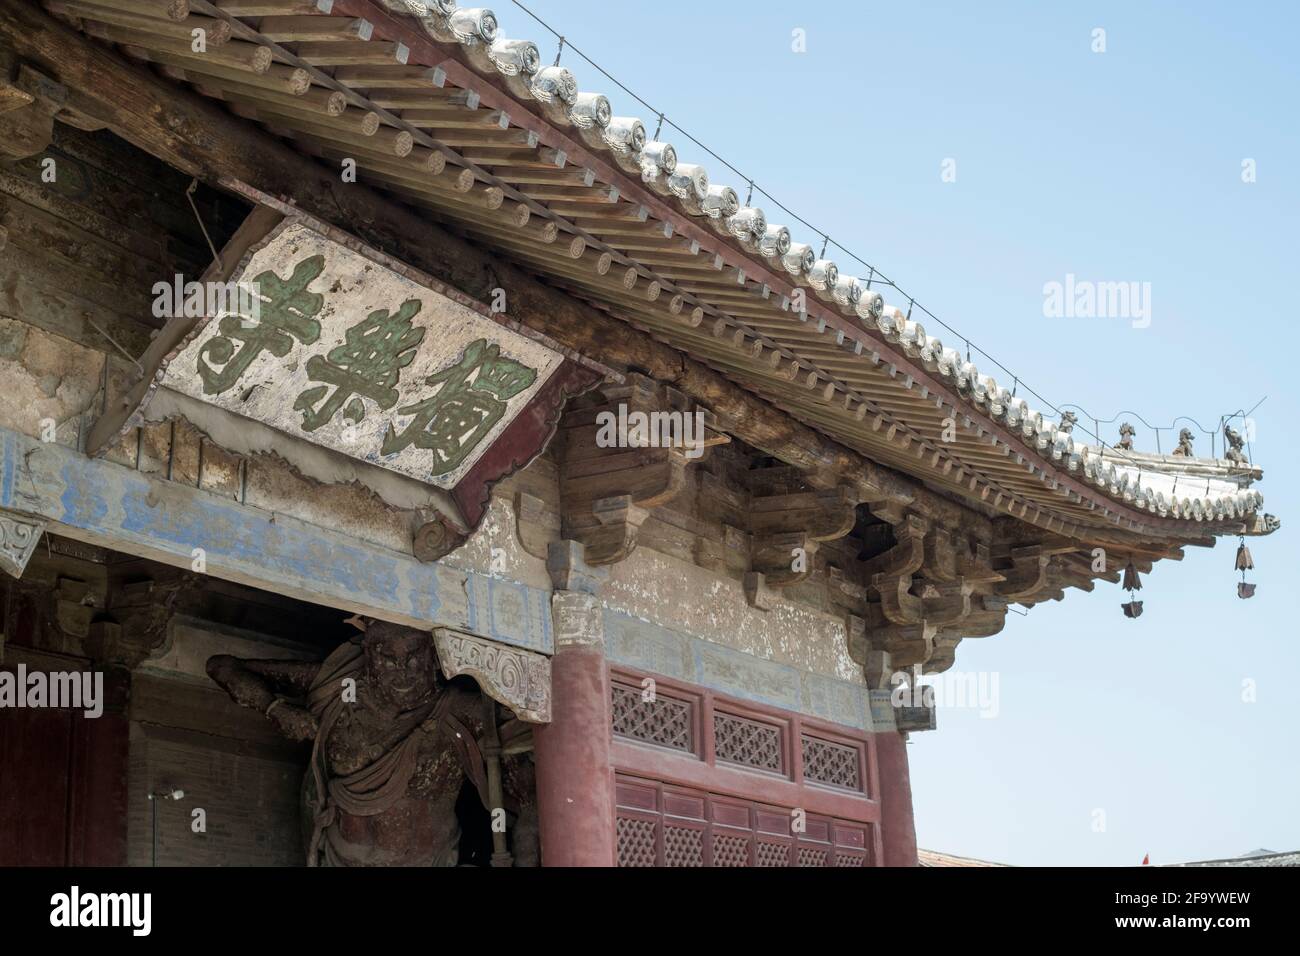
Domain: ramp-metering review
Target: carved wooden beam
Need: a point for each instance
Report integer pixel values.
(975, 564)
(19, 535)
(519, 679)
(1084, 563)
(898, 604)
(623, 455)
(28, 101)
(939, 604)
(1027, 575)
(908, 553)
(906, 644)
(536, 526)
(987, 617)
(788, 528)
(950, 604)
(933, 590)
(940, 555)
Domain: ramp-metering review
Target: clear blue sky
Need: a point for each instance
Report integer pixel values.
(1120, 166)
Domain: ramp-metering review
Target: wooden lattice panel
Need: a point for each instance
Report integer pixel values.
(832, 764)
(636, 842)
(683, 846)
(659, 825)
(747, 742)
(661, 720)
(730, 850)
(812, 856)
(772, 854)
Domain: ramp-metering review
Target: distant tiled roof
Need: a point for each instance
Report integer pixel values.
(932, 858)
(1256, 858)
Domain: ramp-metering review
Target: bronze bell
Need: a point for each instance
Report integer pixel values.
(1244, 561)
(1132, 609)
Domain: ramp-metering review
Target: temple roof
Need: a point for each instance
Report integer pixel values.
(435, 105)
(933, 858)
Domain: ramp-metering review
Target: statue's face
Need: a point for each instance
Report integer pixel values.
(401, 662)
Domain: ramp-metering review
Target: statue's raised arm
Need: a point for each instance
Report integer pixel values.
(270, 686)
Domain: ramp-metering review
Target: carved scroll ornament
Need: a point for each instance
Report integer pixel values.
(519, 679)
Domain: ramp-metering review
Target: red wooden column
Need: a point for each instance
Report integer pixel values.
(575, 782)
(898, 829)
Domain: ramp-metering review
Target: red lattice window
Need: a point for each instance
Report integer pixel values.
(661, 825)
(730, 849)
(637, 841)
(772, 854)
(812, 855)
(748, 743)
(683, 846)
(832, 764)
(661, 720)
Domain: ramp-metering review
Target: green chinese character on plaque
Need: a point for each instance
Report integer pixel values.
(471, 399)
(287, 312)
(367, 365)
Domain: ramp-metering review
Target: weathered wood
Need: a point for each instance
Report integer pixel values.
(158, 9)
(353, 53)
(216, 32)
(232, 54)
(607, 489)
(201, 140)
(296, 29)
(28, 129)
(289, 80)
(271, 8)
(11, 96)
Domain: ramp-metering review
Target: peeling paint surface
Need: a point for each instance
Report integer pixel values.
(494, 549)
(109, 505)
(659, 650)
(663, 590)
(247, 437)
(45, 379)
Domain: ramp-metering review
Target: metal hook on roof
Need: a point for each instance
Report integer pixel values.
(659, 127)
(558, 51)
(870, 275)
(825, 242)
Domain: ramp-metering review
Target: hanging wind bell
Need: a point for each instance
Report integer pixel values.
(1132, 583)
(1244, 563)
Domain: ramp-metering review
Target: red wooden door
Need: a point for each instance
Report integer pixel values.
(62, 788)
